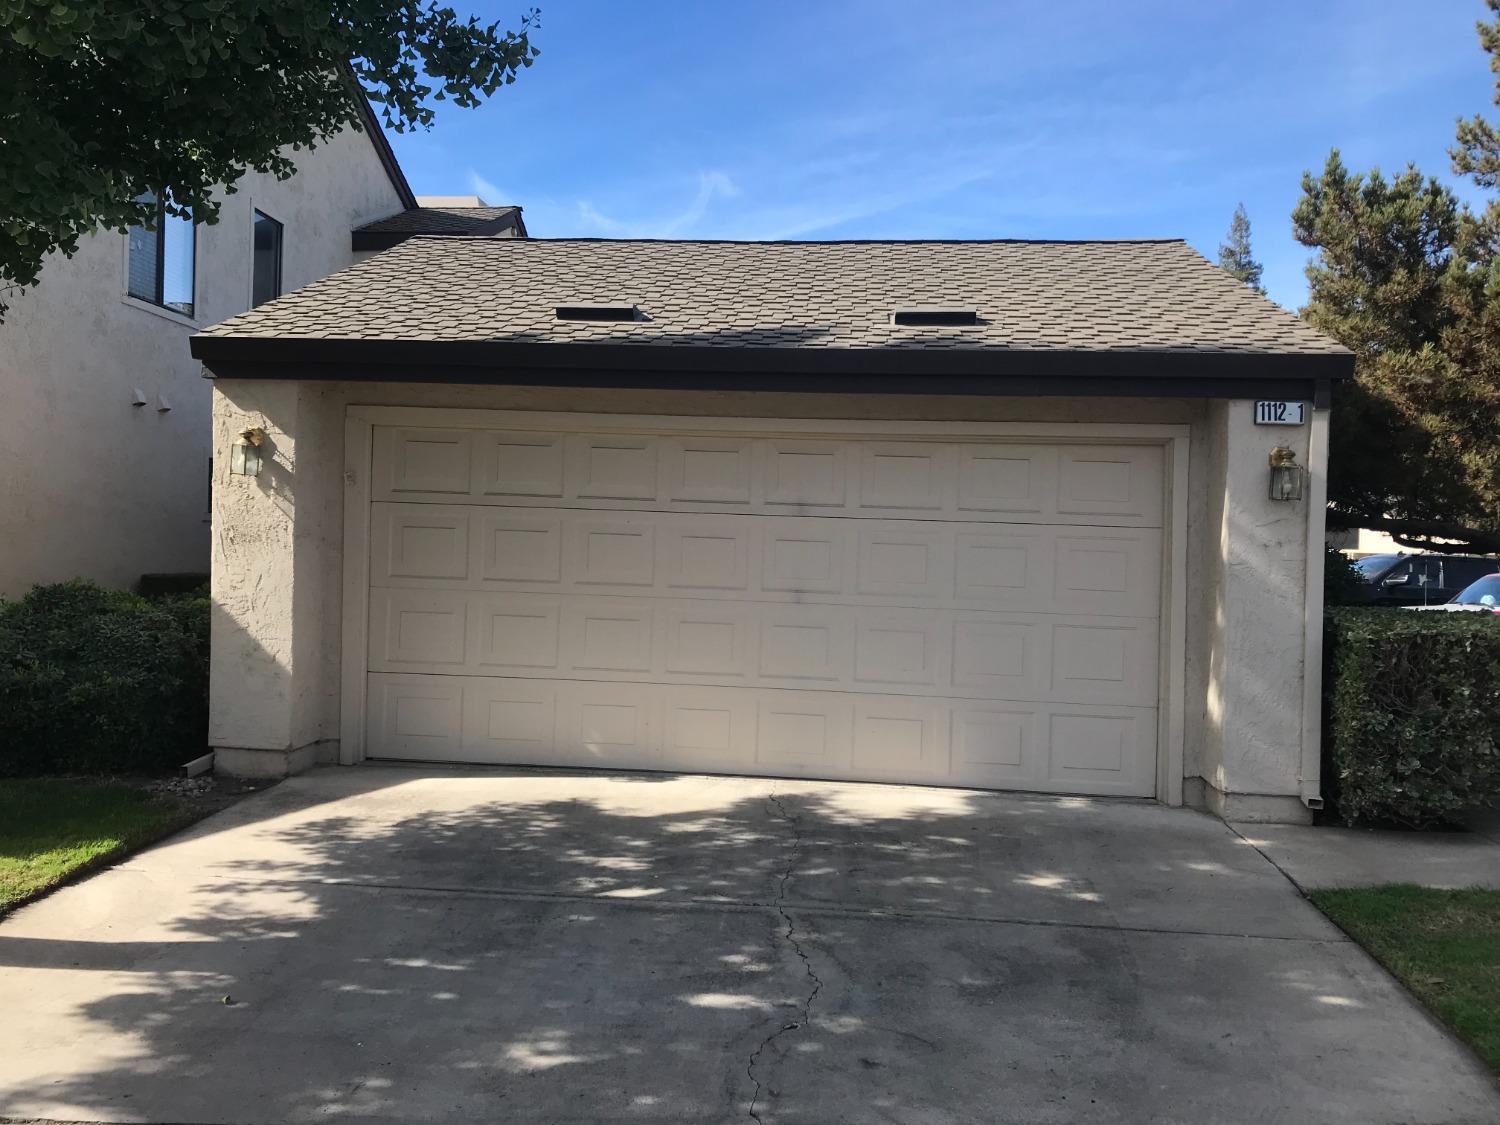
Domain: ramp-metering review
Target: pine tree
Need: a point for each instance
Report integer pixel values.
(1234, 253)
(1408, 279)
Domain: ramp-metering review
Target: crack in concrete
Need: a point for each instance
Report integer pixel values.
(746, 906)
(793, 859)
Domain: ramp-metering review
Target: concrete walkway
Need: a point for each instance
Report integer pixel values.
(384, 945)
(1316, 858)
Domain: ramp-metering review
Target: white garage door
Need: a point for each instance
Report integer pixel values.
(950, 612)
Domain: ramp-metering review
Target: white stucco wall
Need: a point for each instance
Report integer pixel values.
(99, 488)
(278, 558)
(1254, 584)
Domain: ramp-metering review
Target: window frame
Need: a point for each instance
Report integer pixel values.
(159, 293)
(256, 216)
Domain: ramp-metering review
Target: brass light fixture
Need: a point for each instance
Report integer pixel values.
(244, 454)
(1286, 474)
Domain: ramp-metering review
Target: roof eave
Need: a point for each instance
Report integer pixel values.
(363, 239)
(891, 370)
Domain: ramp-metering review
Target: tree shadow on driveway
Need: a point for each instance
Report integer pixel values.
(548, 946)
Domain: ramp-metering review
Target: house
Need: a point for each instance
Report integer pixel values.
(104, 440)
(991, 514)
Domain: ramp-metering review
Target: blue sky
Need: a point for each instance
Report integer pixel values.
(1000, 119)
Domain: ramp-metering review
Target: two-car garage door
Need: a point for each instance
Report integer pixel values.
(883, 607)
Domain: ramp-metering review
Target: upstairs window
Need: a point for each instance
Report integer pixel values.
(161, 261)
(265, 279)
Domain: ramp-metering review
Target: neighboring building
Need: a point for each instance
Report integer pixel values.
(104, 437)
(982, 514)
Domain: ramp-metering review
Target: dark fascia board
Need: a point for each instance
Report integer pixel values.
(361, 240)
(381, 145)
(889, 370)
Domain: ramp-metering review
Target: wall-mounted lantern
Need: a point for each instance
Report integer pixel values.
(244, 454)
(1286, 474)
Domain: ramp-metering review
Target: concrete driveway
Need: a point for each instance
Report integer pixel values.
(555, 947)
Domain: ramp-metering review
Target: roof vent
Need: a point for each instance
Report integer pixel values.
(935, 318)
(597, 312)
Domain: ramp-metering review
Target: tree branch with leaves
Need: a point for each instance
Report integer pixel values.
(104, 101)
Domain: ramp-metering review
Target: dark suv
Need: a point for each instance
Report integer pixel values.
(1420, 579)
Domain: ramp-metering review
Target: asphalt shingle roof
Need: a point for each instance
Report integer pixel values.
(1029, 296)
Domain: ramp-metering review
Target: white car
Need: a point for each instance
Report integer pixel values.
(1482, 596)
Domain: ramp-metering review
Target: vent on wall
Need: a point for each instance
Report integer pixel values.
(935, 318)
(597, 312)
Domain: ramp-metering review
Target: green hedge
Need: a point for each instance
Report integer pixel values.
(100, 681)
(1414, 715)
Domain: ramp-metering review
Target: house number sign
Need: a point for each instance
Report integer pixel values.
(1279, 413)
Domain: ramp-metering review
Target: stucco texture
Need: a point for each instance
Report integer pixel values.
(95, 486)
(278, 557)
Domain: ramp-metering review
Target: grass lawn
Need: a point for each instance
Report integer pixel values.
(1443, 945)
(51, 828)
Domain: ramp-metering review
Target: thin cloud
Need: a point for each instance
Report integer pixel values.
(487, 190)
(711, 186)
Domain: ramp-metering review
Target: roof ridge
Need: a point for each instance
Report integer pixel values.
(828, 241)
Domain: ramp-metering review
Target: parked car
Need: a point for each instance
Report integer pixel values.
(1421, 580)
(1479, 597)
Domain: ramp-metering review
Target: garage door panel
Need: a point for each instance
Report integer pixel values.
(709, 470)
(705, 553)
(1097, 663)
(804, 733)
(996, 745)
(530, 465)
(418, 462)
(519, 549)
(425, 628)
(509, 720)
(898, 647)
(608, 636)
(902, 561)
(1101, 752)
(418, 542)
(1042, 746)
(418, 717)
(807, 644)
(906, 475)
(869, 478)
(616, 467)
(806, 474)
(1123, 482)
(1003, 569)
(517, 632)
(1010, 480)
(709, 639)
(804, 556)
(612, 552)
(708, 729)
(1001, 658)
(947, 653)
(898, 739)
(1108, 574)
(1033, 568)
(967, 612)
(608, 725)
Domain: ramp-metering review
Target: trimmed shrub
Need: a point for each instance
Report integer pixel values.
(1414, 716)
(101, 681)
(1342, 584)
